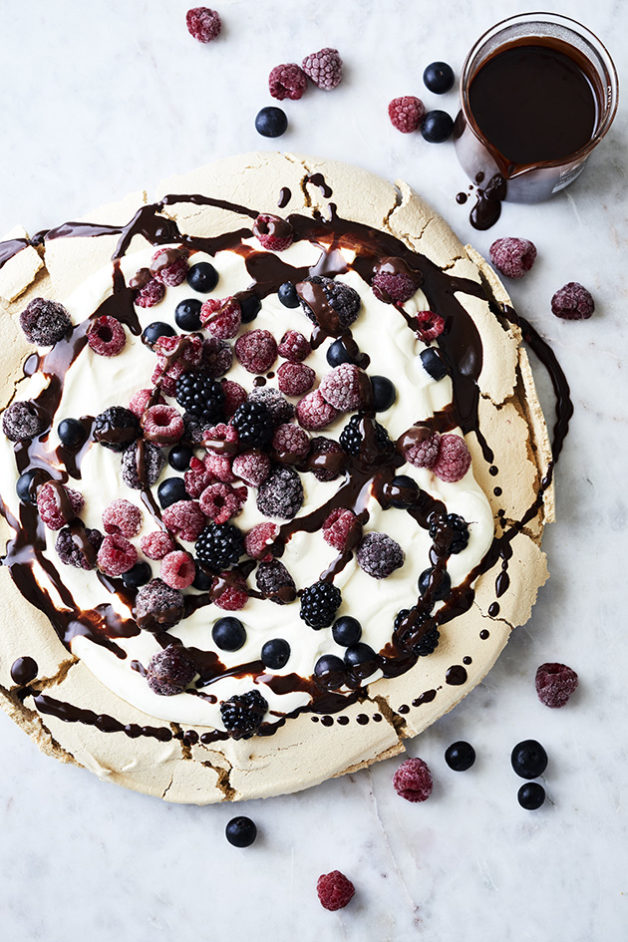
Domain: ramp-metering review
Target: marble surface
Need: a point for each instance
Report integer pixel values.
(99, 99)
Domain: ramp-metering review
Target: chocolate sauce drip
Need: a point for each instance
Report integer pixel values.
(456, 675)
(317, 179)
(11, 247)
(488, 206)
(285, 194)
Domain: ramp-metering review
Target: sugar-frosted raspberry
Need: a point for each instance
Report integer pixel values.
(327, 458)
(259, 538)
(203, 24)
(573, 302)
(252, 466)
(162, 425)
(58, 505)
(217, 357)
(150, 294)
(453, 458)
(178, 570)
(513, 257)
(70, 548)
(106, 336)
(220, 464)
(149, 462)
(256, 350)
(395, 285)
(169, 266)
(341, 528)
(406, 113)
(221, 318)
(294, 379)
(555, 683)
(175, 355)
(184, 519)
(157, 544)
(45, 322)
(197, 478)
(413, 780)
(21, 420)
(281, 494)
(324, 68)
(170, 671)
(220, 502)
(287, 81)
(234, 394)
(158, 606)
(233, 596)
(280, 409)
(290, 442)
(116, 555)
(123, 517)
(273, 233)
(140, 400)
(294, 346)
(314, 413)
(334, 890)
(429, 325)
(379, 555)
(423, 451)
(341, 387)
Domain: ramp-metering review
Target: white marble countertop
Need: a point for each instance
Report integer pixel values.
(102, 98)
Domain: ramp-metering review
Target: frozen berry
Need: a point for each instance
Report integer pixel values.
(273, 232)
(573, 302)
(152, 333)
(327, 458)
(314, 413)
(259, 539)
(217, 357)
(150, 294)
(438, 584)
(169, 266)
(253, 467)
(402, 492)
(438, 77)
(106, 336)
(287, 81)
(170, 671)
(384, 393)
(203, 24)
(453, 459)
(319, 604)
(156, 545)
(379, 555)
(162, 425)
(294, 346)
(138, 575)
(433, 363)
(555, 684)
(78, 548)
(116, 428)
(529, 759)
(57, 504)
(178, 570)
(413, 780)
(45, 322)
(395, 283)
(365, 438)
(170, 491)
(221, 318)
(142, 467)
(295, 379)
(219, 546)
(337, 353)
(513, 257)
(243, 714)
(460, 756)
(280, 409)
(202, 277)
(429, 325)
(157, 606)
(275, 582)
(184, 519)
(187, 314)
(436, 126)
(343, 300)
(448, 532)
(71, 432)
(116, 555)
(229, 633)
(281, 494)
(531, 796)
(422, 450)
(241, 831)
(415, 632)
(275, 654)
(197, 478)
(341, 529)
(220, 502)
(234, 395)
(179, 458)
(324, 68)
(201, 395)
(229, 591)
(218, 462)
(361, 660)
(142, 399)
(123, 517)
(334, 890)
(346, 631)
(256, 350)
(342, 387)
(287, 294)
(271, 122)
(26, 486)
(21, 421)
(253, 423)
(406, 112)
(330, 672)
(290, 443)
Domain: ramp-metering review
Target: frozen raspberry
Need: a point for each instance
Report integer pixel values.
(234, 394)
(140, 400)
(197, 478)
(294, 379)
(290, 443)
(70, 548)
(184, 519)
(220, 464)
(252, 467)
(280, 409)
(116, 555)
(294, 346)
(20, 421)
(423, 451)
(157, 544)
(234, 596)
(397, 285)
(573, 302)
(220, 502)
(150, 294)
(123, 517)
(221, 318)
(314, 413)
(406, 113)
(341, 529)
(203, 24)
(178, 570)
(287, 81)
(453, 458)
(258, 540)
(324, 68)
(217, 357)
(275, 582)
(175, 355)
(413, 780)
(170, 671)
(142, 468)
(169, 266)
(106, 336)
(58, 505)
(429, 325)
(554, 684)
(162, 425)
(327, 458)
(334, 890)
(513, 257)
(45, 322)
(157, 606)
(256, 350)
(273, 232)
(281, 494)
(379, 555)
(342, 299)
(341, 387)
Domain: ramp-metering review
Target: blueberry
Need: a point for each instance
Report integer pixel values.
(432, 363)
(346, 630)
(25, 490)
(71, 432)
(241, 831)
(203, 277)
(403, 491)
(155, 330)
(179, 457)
(187, 314)
(287, 294)
(250, 306)
(460, 756)
(529, 758)
(361, 656)
(436, 126)
(202, 580)
(170, 491)
(384, 393)
(337, 353)
(330, 671)
(139, 575)
(275, 653)
(229, 634)
(531, 796)
(442, 587)
(271, 122)
(438, 77)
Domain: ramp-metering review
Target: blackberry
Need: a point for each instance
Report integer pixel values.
(410, 637)
(449, 532)
(319, 603)
(351, 437)
(379, 555)
(219, 546)
(281, 494)
(242, 714)
(341, 298)
(72, 549)
(170, 671)
(150, 461)
(253, 422)
(327, 458)
(275, 582)
(280, 409)
(201, 395)
(116, 428)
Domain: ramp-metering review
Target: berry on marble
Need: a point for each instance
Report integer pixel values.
(405, 113)
(287, 81)
(413, 780)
